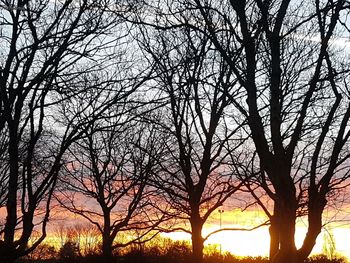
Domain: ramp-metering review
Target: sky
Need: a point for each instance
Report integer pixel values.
(246, 243)
(256, 242)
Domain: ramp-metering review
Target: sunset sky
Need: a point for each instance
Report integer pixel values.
(127, 125)
(241, 243)
(256, 242)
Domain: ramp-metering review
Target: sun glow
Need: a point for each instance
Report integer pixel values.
(240, 243)
(256, 242)
(243, 243)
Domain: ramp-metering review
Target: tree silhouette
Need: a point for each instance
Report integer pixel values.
(296, 102)
(108, 170)
(197, 173)
(45, 46)
(291, 88)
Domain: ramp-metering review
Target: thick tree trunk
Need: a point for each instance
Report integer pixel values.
(287, 251)
(315, 207)
(282, 229)
(107, 248)
(107, 240)
(11, 205)
(274, 237)
(7, 252)
(286, 227)
(197, 240)
(26, 233)
(7, 247)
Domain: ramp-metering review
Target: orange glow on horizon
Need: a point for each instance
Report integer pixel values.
(256, 242)
(240, 243)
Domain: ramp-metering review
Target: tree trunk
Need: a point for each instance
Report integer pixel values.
(197, 240)
(7, 247)
(274, 237)
(11, 205)
(107, 248)
(286, 228)
(7, 252)
(315, 207)
(107, 240)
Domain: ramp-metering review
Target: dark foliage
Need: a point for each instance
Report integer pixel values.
(170, 256)
(69, 252)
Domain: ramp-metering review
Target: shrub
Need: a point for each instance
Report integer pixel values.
(69, 251)
(43, 252)
(324, 259)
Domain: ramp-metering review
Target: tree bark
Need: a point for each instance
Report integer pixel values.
(315, 207)
(27, 230)
(7, 247)
(274, 236)
(197, 240)
(7, 252)
(107, 240)
(107, 248)
(287, 251)
(11, 205)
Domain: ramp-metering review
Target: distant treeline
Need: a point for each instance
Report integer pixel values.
(167, 252)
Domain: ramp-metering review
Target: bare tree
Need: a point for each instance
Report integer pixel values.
(44, 45)
(197, 175)
(85, 237)
(109, 171)
(292, 89)
(295, 99)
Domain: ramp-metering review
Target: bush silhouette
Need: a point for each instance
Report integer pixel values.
(324, 259)
(68, 252)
